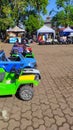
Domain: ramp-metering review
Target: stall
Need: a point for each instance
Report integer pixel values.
(45, 30)
(67, 31)
(46, 33)
(14, 34)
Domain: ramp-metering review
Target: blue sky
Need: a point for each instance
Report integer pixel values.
(50, 6)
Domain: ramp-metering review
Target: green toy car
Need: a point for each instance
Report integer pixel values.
(18, 83)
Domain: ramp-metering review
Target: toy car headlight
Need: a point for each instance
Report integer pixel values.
(32, 64)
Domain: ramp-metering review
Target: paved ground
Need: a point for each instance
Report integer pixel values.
(52, 105)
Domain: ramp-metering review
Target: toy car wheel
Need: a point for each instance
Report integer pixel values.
(26, 92)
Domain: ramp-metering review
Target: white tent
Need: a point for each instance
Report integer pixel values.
(15, 29)
(71, 35)
(68, 29)
(45, 29)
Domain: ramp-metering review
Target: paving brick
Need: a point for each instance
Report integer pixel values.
(42, 127)
(72, 127)
(27, 115)
(53, 127)
(25, 123)
(30, 128)
(58, 112)
(44, 107)
(48, 121)
(17, 128)
(65, 127)
(69, 119)
(37, 122)
(26, 108)
(48, 113)
(52, 105)
(68, 111)
(60, 120)
(35, 107)
(3, 124)
(37, 114)
(13, 124)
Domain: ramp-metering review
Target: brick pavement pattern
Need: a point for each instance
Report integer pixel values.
(52, 105)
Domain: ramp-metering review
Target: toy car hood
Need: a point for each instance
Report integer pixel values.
(9, 65)
(30, 62)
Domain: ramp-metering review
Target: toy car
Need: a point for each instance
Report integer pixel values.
(29, 62)
(7, 63)
(16, 82)
(18, 46)
(20, 49)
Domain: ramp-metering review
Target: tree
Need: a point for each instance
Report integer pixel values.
(12, 12)
(5, 18)
(38, 5)
(65, 15)
(33, 23)
(33, 14)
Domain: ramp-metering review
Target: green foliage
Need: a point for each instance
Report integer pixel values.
(38, 5)
(5, 18)
(65, 15)
(63, 3)
(58, 18)
(33, 23)
(12, 12)
(33, 18)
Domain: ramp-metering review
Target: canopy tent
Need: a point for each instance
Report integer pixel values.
(45, 29)
(68, 29)
(14, 34)
(15, 29)
(71, 35)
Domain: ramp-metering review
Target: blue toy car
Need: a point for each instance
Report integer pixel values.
(15, 60)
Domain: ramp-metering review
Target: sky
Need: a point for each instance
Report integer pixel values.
(50, 6)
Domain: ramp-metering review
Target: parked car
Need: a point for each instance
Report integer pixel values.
(26, 52)
(16, 82)
(28, 60)
(8, 63)
(19, 47)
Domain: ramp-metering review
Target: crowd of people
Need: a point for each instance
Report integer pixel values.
(50, 39)
(45, 38)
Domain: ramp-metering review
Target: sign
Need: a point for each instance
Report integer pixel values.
(14, 39)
